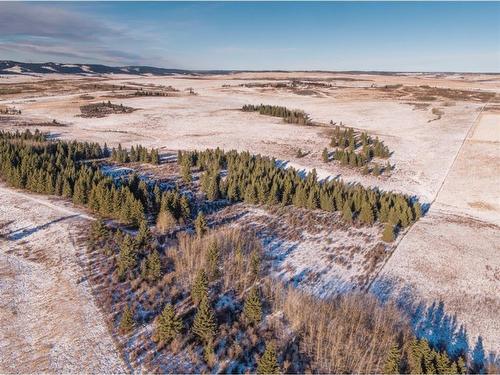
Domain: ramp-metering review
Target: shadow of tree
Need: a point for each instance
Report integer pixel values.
(19, 234)
(432, 322)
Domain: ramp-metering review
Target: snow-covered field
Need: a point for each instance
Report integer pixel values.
(450, 255)
(453, 254)
(49, 320)
(423, 150)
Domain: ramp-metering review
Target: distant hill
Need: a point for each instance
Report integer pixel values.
(14, 67)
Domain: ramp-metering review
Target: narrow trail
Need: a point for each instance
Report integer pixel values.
(467, 136)
(45, 202)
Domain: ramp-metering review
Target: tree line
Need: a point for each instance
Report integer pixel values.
(257, 180)
(288, 115)
(10, 111)
(30, 161)
(138, 153)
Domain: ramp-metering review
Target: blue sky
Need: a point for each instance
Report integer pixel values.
(397, 36)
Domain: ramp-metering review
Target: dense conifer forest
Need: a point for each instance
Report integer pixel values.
(30, 161)
(257, 180)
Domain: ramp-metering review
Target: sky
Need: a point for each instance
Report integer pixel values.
(384, 36)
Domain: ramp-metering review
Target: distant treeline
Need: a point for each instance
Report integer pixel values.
(257, 180)
(103, 109)
(155, 93)
(10, 111)
(136, 154)
(288, 115)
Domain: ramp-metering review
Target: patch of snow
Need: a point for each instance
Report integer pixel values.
(14, 69)
(112, 171)
(49, 68)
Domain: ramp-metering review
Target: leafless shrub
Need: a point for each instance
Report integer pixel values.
(347, 334)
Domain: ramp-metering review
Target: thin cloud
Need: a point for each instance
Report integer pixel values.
(58, 34)
(18, 19)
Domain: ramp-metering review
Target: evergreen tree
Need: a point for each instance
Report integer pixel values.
(200, 287)
(152, 269)
(127, 320)
(144, 236)
(98, 230)
(418, 210)
(462, 366)
(255, 264)
(347, 213)
(186, 172)
(325, 156)
(388, 233)
(366, 214)
(253, 307)
(168, 325)
(213, 260)
(478, 358)
(205, 325)
(200, 224)
(268, 363)
(392, 362)
(127, 257)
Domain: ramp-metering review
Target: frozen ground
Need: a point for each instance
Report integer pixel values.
(423, 146)
(49, 321)
(453, 254)
(450, 255)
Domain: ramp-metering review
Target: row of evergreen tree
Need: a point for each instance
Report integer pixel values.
(354, 159)
(10, 111)
(288, 115)
(417, 357)
(153, 93)
(30, 161)
(257, 180)
(138, 153)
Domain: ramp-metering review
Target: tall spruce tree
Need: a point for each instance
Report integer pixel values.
(388, 233)
(127, 320)
(325, 156)
(212, 260)
(127, 257)
(205, 325)
(268, 363)
(253, 307)
(168, 325)
(393, 361)
(199, 289)
(200, 224)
